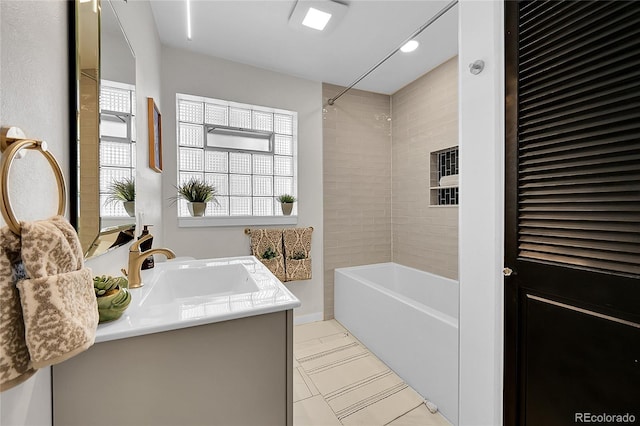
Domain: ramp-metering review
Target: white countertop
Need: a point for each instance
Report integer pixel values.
(147, 315)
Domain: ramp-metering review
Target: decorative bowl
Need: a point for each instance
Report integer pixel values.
(111, 307)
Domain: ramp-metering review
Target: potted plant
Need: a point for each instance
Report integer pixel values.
(299, 255)
(197, 193)
(269, 254)
(286, 202)
(124, 190)
(298, 266)
(112, 296)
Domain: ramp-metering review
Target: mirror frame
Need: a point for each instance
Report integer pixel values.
(74, 125)
(73, 88)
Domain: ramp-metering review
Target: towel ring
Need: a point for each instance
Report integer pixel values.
(7, 159)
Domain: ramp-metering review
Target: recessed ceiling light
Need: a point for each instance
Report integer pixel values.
(410, 46)
(316, 19)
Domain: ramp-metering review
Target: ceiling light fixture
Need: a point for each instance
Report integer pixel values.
(316, 19)
(410, 46)
(188, 19)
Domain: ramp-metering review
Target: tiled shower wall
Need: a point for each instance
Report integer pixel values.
(425, 119)
(357, 182)
(377, 177)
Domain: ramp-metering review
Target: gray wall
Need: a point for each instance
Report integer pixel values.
(33, 85)
(194, 74)
(33, 96)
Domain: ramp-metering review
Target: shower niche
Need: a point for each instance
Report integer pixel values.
(444, 183)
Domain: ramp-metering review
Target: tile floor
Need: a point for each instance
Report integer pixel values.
(337, 381)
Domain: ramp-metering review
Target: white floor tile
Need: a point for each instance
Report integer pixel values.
(420, 416)
(314, 411)
(313, 356)
(343, 375)
(300, 388)
(307, 380)
(316, 330)
(337, 381)
(384, 410)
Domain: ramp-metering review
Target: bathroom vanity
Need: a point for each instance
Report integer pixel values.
(203, 342)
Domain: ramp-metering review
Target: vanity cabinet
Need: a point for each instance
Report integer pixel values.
(235, 372)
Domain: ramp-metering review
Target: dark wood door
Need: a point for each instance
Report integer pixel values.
(572, 213)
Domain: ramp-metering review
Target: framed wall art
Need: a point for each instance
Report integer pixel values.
(155, 136)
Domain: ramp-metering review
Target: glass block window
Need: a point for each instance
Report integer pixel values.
(444, 177)
(117, 141)
(248, 175)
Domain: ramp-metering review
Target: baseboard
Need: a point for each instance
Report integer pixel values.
(304, 319)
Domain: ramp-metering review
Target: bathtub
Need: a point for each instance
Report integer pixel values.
(409, 319)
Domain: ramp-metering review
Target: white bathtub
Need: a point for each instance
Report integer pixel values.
(409, 319)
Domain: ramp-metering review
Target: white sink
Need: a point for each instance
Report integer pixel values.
(195, 279)
(188, 292)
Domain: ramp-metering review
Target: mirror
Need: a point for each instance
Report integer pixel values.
(103, 160)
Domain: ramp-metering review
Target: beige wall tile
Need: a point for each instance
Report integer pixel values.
(425, 119)
(357, 182)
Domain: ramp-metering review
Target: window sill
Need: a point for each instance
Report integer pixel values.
(208, 221)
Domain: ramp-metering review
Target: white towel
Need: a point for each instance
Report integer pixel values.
(451, 180)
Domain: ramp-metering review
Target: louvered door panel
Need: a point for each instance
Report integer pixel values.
(572, 210)
(579, 135)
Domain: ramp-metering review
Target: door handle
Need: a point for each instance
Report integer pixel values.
(507, 272)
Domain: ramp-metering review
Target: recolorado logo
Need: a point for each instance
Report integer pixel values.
(604, 418)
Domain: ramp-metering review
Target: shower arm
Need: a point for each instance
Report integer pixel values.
(417, 32)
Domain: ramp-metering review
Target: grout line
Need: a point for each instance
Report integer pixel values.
(317, 337)
(305, 382)
(304, 399)
(326, 352)
(326, 367)
(306, 377)
(371, 400)
(355, 385)
(404, 414)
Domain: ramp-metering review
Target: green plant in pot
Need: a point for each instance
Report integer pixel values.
(269, 254)
(197, 193)
(299, 255)
(124, 190)
(112, 296)
(286, 202)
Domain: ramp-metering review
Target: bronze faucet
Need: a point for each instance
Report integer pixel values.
(136, 257)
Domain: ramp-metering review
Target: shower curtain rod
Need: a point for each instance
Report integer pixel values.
(417, 32)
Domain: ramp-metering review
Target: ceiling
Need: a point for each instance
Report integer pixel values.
(256, 32)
